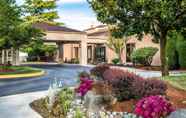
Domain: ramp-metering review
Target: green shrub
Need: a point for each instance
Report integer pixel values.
(66, 97)
(181, 47)
(171, 54)
(176, 48)
(115, 61)
(144, 56)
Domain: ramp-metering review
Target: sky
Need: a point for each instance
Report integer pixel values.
(75, 14)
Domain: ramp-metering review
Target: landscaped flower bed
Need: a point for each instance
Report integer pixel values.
(12, 70)
(113, 94)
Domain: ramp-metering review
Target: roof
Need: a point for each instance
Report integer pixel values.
(99, 26)
(51, 27)
(98, 33)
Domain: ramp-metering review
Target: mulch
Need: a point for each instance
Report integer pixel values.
(176, 96)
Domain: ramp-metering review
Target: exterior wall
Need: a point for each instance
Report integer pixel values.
(110, 54)
(147, 42)
(95, 36)
(69, 52)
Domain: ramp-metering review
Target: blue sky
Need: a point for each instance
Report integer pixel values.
(75, 13)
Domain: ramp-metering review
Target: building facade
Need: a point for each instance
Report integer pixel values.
(88, 46)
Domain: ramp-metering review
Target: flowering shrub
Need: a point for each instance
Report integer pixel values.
(153, 107)
(99, 70)
(122, 83)
(85, 85)
(149, 87)
(126, 85)
(113, 74)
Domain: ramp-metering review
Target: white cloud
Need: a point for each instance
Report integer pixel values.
(77, 20)
(70, 1)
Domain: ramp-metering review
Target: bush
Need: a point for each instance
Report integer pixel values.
(148, 87)
(181, 48)
(126, 85)
(176, 48)
(115, 61)
(144, 56)
(66, 97)
(153, 107)
(114, 73)
(171, 49)
(99, 70)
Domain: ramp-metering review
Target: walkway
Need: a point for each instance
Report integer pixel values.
(17, 106)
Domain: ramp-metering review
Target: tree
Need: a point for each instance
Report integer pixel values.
(9, 19)
(40, 11)
(139, 17)
(15, 32)
(37, 49)
(117, 45)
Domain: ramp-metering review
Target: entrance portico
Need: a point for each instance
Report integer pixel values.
(73, 44)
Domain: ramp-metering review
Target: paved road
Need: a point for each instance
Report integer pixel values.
(67, 74)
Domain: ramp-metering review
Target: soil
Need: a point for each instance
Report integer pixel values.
(176, 96)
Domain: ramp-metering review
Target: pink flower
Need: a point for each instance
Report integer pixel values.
(153, 107)
(85, 86)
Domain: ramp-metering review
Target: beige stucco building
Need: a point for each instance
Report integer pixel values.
(88, 46)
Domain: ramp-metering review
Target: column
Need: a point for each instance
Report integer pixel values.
(60, 52)
(3, 55)
(7, 58)
(93, 53)
(17, 57)
(13, 57)
(83, 52)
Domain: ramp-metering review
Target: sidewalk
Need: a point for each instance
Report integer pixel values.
(17, 106)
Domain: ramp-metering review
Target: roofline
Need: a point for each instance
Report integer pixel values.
(95, 27)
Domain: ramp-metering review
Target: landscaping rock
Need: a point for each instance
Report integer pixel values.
(178, 114)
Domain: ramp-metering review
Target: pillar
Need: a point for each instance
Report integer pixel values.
(83, 52)
(3, 56)
(60, 52)
(13, 57)
(17, 57)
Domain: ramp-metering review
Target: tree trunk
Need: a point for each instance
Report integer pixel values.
(119, 57)
(164, 65)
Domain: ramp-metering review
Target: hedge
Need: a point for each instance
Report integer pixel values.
(176, 51)
(181, 47)
(144, 55)
(173, 61)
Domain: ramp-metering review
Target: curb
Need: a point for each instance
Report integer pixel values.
(36, 74)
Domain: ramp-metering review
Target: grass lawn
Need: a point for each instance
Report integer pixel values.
(177, 81)
(18, 70)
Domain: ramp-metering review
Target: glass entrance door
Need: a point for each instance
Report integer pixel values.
(100, 54)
